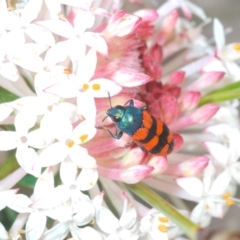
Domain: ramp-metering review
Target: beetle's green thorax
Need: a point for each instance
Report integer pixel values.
(128, 119)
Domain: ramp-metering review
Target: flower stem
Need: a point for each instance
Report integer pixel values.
(229, 92)
(193, 231)
(9, 166)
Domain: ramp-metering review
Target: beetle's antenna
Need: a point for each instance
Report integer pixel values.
(109, 99)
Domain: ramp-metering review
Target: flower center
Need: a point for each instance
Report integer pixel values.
(96, 86)
(236, 47)
(85, 86)
(83, 138)
(23, 139)
(67, 71)
(70, 143)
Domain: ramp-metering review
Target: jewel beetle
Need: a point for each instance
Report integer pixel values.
(150, 134)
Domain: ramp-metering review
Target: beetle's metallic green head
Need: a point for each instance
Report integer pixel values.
(116, 113)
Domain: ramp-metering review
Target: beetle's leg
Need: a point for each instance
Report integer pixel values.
(117, 135)
(142, 148)
(130, 102)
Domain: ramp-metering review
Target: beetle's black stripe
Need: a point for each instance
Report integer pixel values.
(171, 146)
(162, 141)
(151, 133)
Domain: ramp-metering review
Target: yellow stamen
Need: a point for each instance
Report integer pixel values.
(61, 16)
(163, 219)
(96, 86)
(226, 195)
(70, 143)
(236, 47)
(21, 231)
(162, 228)
(230, 202)
(207, 206)
(67, 71)
(83, 137)
(85, 86)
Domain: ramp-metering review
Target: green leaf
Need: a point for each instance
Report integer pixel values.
(230, 92)
(6, 96)
(193, 231)
(28, 181)
(9, 166)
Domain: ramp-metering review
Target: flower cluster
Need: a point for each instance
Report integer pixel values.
(66, 62)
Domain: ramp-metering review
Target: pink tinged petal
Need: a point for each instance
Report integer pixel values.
(167, 27)
(87, 179)
(191, 185)
(189, 101)
(130, 175)
(187, 168)
(9, 71)
(221, 183)
(68, 171)
(200, 116)
(218, 32)
(59, 27)
(96, 42)
(106, 221)
(19, 203)
(44, 184)
(87, 233)
(177, 78)
(206, 80)
(23, 122)
(3, 233)
(8, 140)
(128, 78)
(147, 15)
(131, 157)
(101, 87)
(33, 230)
(30, 11)
(52, 155)
(169, 108)
(178, 142)
(121, 24)
(88, 110)
(59, 231)
(218, 151)
(159, 165)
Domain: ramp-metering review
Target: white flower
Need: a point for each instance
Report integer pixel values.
(127, 227)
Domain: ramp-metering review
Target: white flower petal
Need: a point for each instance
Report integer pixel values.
(44, 184)
(235, 170)
(36, 139)
(3, 233)
(101, 87)
(59, 231)
(33, 230)
(5, 111)
(9, 71)
(218, 32)
(106, 220)
(191, 185)
(81, 158)
(52, 155)
(87, 179)
(83, 20)
(23, 122)
(68, 171)
(20, 203)
(8, 140)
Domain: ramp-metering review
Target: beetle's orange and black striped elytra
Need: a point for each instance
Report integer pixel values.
(150, 134)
